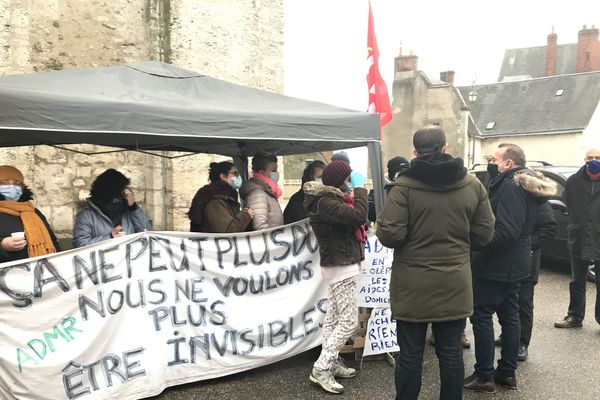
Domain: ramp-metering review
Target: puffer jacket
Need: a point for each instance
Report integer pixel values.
(434, 213)
(582, 196)
(516, 196)
(334, 223)
(258, 196)
(93, 226)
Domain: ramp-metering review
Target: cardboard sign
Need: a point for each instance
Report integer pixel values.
(381, 333)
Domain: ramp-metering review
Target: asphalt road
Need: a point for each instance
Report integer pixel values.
(562, 364)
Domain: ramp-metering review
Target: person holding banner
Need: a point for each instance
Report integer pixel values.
(111, 211)
(434, 213)
(337, 219)
(24, 231)
(215, 208)
(261, 192)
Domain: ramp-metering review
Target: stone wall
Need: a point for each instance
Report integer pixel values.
(239, 41)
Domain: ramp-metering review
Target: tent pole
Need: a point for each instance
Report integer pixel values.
(376, 174)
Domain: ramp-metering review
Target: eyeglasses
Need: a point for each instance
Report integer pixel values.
(11, 182)
(590, 158)
(234, 173)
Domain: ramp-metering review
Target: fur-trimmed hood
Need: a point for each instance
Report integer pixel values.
(314, 191)
(313, 188)
(535, 183)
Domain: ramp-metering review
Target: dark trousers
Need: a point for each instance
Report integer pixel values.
(502, 298)
(448, 349)
(577, 289)
(526, 311)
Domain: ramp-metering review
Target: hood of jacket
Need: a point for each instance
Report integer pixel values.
(535, 183)
(436, 169)
(435, 172)
(313, 191)
(254, 184)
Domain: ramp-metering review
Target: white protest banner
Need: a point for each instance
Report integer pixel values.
(381, 333)
(373, 284)
(128, 317)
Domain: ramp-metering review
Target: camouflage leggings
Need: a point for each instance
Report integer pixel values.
(340, 321)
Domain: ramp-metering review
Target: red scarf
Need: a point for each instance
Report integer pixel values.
(593, 177)
(360, 233)
(272, 184)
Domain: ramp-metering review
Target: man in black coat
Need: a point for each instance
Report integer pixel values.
(582, 195)
(516, 195)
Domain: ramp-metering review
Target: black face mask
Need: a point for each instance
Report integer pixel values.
(492, 170)
(114, 209)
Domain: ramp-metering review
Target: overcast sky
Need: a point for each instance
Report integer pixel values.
(325, 40)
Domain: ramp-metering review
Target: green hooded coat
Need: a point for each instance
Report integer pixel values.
(434, 213)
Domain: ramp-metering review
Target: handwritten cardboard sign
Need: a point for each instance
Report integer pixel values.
(381, 333)
(373, 284)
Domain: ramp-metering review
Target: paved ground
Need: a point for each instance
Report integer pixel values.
(563, 364)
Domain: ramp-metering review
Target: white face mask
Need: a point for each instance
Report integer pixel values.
(236, 183)
(319, 181)
(275, 176)
(11, 192)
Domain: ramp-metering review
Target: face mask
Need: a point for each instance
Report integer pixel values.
(492, 170)
(319, 181)
(275, 176)
(593, 166)
(11, 192)
(236, 183)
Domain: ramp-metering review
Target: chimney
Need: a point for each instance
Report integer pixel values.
(551, 54)
(405, 63)
(447, 76)
(588, 50)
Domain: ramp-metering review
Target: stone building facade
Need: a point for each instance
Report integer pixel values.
(418, 101)
(236, 40)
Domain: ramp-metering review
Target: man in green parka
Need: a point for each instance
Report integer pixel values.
(435, 212)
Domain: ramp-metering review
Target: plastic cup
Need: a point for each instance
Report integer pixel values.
(18, 234)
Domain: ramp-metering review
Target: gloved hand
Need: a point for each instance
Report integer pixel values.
(357, 180)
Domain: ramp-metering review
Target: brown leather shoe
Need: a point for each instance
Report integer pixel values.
(568, 322)
(464, 340)
(509, 382)
(476, 384)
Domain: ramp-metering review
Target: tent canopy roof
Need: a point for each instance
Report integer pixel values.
(157, 106)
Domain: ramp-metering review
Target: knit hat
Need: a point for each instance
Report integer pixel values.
(8, 172)
(395, 165)
(335, 173)
(341, 156)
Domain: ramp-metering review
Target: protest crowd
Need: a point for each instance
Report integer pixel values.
(462, 250)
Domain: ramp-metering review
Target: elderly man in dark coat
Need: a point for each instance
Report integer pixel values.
(582, 196)
(434, 213)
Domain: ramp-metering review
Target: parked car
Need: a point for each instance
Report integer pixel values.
(556, 249)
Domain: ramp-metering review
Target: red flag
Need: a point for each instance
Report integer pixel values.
(379, 101)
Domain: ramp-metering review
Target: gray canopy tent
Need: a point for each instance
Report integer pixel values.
(156, 106)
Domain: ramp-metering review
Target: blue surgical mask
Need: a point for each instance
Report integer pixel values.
(593, 166)
(236, 183)
(275, 176)
(11, 192)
